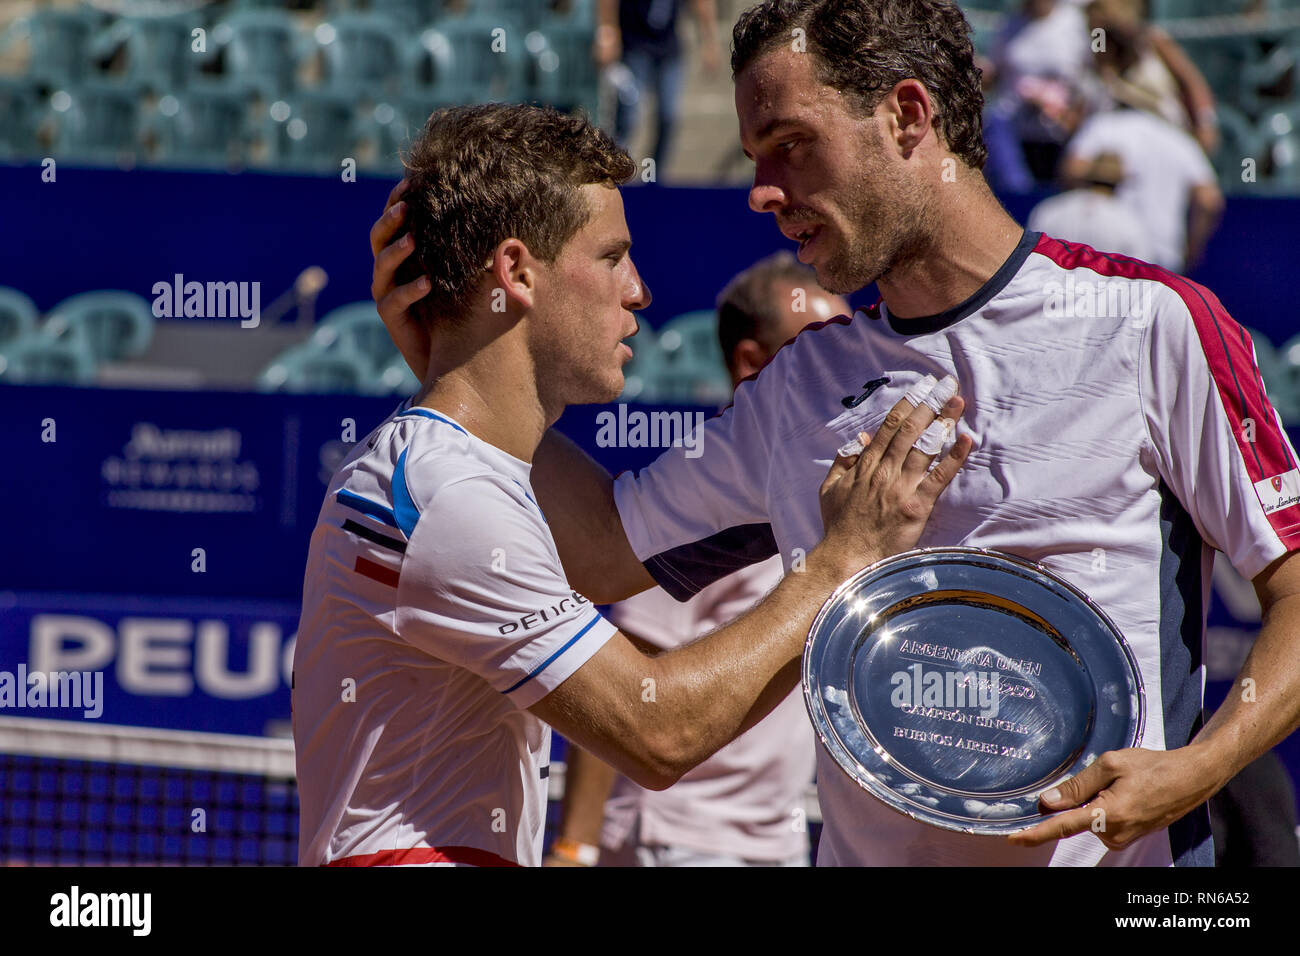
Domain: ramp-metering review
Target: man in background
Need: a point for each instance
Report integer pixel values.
(1090, 213)
(744, 805)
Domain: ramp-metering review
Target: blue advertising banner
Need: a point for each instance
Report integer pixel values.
(175, 663)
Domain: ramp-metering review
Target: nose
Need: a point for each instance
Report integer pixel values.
(765, 195)
(637, 294)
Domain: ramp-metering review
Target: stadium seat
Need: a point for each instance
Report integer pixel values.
(456, 61)
(35, 359)
(159, 52)
(18, 315)
(396, 378)
(97, 120)
(412, 14)
(262, 48)
(356, 330)
(1281, 128)
(59, 40)
(311, 129)
(204, 125)
(1286, 390)
(1238, 139)
(22, 105)
(562, 72)
(306, 368)
(691, 367)
(640, 374)
(363, 53)
(110, 325)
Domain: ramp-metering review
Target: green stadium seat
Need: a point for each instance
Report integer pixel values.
(456, 61)
(306, 368)
(396, 378)
(262, 48)
(35, 359)
(97, 121)
(356, 330)
(159, 51)
(311, 129)
(205, 125)
(691, 367)
(110, 325)
(640, 374)
(562, 72)
(18, 315)
(59, 40)
(363, 53)
(22, 105)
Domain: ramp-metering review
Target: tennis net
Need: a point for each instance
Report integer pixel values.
(81, 794)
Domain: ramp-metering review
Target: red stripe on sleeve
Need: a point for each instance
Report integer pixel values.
(1228, 352)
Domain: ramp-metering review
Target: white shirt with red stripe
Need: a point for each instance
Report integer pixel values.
(435, 611)
(1121, 433)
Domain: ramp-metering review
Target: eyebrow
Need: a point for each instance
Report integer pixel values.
(621, 246)
(770, 127)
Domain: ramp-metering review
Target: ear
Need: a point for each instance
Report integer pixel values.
(514, 270)
(749, 356)
(911, 115)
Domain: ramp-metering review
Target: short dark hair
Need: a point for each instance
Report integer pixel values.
(865, 47)
(747, 308)
(479, 175)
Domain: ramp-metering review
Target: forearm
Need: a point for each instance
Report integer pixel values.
(587, 783)
(709, 692)
(706, 15)
(577, 496)
(1263, 706)
(1202, 219)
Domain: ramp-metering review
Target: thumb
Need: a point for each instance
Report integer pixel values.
(1079, 789)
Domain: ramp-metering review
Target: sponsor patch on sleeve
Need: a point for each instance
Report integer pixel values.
(1279, 492)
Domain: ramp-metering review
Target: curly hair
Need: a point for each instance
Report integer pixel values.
(865, 47)
(479, 175)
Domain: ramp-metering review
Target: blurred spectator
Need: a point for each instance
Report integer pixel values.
(1167, 181)
(641, 36)
(1038, 76)
(1147, 62)
(1091, 213)
(744, 805)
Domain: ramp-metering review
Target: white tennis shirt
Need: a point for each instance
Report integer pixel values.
(1119, 436)
(434, 612)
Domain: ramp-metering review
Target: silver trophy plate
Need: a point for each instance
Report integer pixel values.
(958, 684)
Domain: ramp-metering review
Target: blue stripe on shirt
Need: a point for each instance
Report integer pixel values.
(366, 507)
(546, 663)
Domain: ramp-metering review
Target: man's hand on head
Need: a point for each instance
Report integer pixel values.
(394, 301)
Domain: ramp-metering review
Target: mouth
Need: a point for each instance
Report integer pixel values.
(806, 239)
(803, 233)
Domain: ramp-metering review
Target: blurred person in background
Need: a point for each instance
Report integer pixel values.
(744, 805)
(1037, 82)
(1090, 213)
(1147, 62)
(641, 36)
(1167, 180)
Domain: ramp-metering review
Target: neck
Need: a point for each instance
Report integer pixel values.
(489, 385)
(973, 237)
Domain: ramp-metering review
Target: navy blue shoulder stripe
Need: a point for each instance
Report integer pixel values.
(367, 507)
